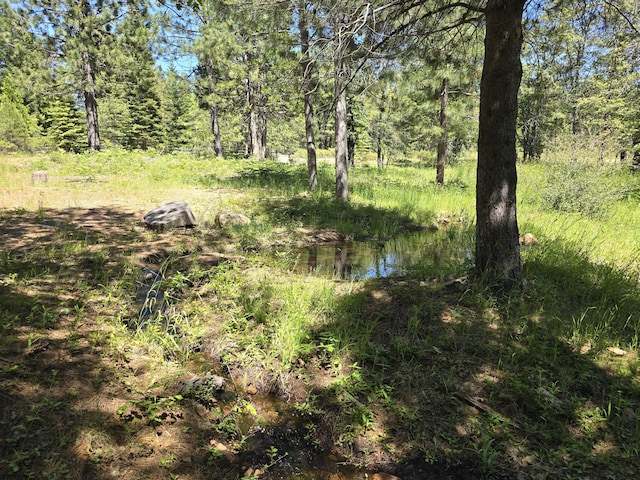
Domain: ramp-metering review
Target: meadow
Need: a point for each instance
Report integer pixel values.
(421, 375)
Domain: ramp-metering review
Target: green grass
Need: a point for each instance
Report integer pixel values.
(410, 372)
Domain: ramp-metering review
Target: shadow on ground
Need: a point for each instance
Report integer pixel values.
(436, 381)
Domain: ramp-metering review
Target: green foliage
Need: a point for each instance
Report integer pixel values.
(64, 125)
(17, 127)
(179, 110)
(574, 187)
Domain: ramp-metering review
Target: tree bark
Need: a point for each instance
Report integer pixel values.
(262, 126)
(342, 148)
(379, 152)
(307, 88)
(351, 136)
(340, 99)
(213, 110)
(442, 143)
(215, 130)
(90, 104)
(89, 90)
(256, 133)
(498, 259)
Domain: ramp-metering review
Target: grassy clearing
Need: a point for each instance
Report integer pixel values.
(416, 375)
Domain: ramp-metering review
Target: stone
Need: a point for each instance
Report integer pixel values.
(39, 176)
(225, 218)
(528, 239)
(168, 215)
(211, 382)
(251, 389)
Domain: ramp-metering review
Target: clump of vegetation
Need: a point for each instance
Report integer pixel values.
(576, 187)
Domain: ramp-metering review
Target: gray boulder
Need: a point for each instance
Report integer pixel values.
(172, 214)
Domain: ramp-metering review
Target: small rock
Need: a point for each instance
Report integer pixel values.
(213, 382)
(39, 176)
(528, 239)
(225, 218)
(251, 389)
(617, 351)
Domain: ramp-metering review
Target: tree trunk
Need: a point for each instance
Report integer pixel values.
(342, 148)
(253, 140)
(498, 257)
(255, 130)
(90, 104)
(442, 143)
(215, 129)
(213, 110)
(307, 92)
(340, 99)
(379, 152)
(262, 126)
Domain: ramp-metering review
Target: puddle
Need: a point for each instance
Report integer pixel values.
(149, 295)
(364, 260)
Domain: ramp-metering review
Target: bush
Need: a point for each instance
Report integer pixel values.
(576, 187)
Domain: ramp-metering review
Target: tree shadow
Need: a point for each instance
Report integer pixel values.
(448, 382)
(408, 375)
(272, 176)
(354, 221)
(60, 273)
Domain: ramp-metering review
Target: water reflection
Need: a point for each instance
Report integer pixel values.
(363, 260)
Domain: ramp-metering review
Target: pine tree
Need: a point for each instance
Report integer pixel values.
(179, 111)
(17, 126)
(64, 125)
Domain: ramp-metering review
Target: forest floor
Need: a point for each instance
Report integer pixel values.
(406, 377)
(76, 406)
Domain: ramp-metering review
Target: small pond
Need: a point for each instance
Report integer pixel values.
(372, 259)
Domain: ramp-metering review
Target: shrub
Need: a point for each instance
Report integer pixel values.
(576, 187)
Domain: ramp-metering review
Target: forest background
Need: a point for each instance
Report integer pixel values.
(230, 78)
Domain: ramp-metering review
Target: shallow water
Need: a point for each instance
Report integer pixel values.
(364, 260)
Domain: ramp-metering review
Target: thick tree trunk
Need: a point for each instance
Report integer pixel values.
(498, 257)
(307, 72)
(90, 104)
(442, 143)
